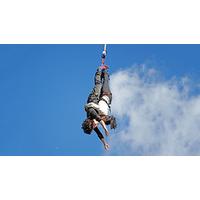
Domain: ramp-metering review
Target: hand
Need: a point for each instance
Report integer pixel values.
(106, 146)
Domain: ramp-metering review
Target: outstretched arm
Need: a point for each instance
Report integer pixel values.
(104, 127)
(100, 136)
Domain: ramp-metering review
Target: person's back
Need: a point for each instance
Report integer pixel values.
(104, 105)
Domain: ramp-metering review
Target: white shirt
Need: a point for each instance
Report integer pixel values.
(103, 106)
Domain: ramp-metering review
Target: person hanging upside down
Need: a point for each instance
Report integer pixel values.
(98, 106)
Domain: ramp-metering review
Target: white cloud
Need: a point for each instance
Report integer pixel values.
(155, 116)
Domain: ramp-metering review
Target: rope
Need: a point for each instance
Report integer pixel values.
(103, 56)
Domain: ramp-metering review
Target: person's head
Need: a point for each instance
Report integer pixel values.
(87, 126)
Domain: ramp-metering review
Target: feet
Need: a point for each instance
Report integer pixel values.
(103, 67)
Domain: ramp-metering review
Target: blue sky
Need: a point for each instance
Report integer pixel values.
(44, 87)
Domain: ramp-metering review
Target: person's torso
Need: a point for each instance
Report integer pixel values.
(104, 105)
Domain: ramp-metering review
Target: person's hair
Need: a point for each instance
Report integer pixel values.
(87, 126)
(113, 123)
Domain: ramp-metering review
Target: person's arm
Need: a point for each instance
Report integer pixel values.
(100, 136)
(94, 115)
(104, 127)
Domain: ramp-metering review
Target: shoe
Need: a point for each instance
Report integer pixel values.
(104, 67)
